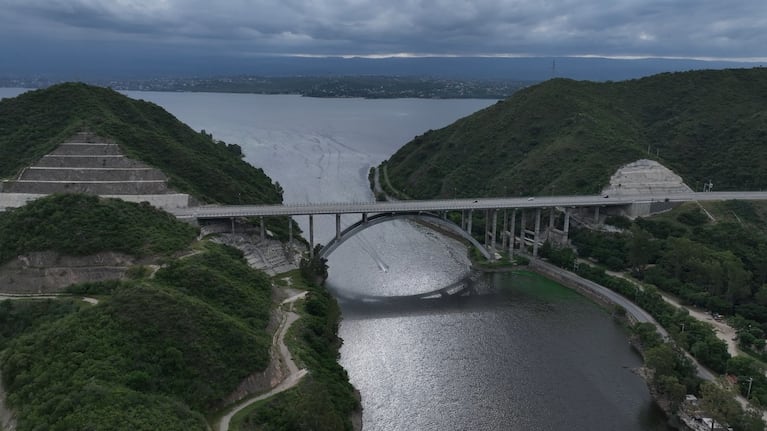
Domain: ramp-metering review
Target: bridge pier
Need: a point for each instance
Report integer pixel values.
(364, 217)
(290, 232)
(567, 223)
(463, 219)
(504, 229)
(262, 228)
(231, 219)
(596, 215)
(471, 216)
(338, 226)
(311, 235)
(523, 231)
(537, 231)
(494, 231)
(513, 233)
(551, 219)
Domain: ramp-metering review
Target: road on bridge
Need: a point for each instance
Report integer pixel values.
(225, 211)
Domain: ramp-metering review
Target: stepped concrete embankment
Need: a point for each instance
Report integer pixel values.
(93, 174)
(89, 164)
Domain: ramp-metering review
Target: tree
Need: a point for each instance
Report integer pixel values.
(641, 249)
(661, 359)
(719, 403)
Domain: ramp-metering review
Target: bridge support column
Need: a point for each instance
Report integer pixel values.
(311, 235)
(487, 225)
(463, 219)
(494, 230)
(364, 217)
(551, 219)
(262, 228)
(468, 223)
(504, 230)
(338, 226)
(511, 237)
(537, 231)
(231, 219)
(596, 215)
(290, 231)
(523, 232)
(566, 229)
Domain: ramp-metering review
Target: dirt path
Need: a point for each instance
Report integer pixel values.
(722, 330)
(294, 374)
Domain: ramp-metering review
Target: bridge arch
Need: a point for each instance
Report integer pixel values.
(384, 217)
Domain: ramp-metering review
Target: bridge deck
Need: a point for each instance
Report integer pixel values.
(454, 204)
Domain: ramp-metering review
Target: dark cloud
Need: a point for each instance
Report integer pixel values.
(629, 28)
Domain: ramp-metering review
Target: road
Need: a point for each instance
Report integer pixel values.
(453, 204)
(637, 312)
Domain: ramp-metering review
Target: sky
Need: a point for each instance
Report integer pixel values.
(33, 31)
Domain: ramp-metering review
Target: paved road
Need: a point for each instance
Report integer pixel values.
(454, 204)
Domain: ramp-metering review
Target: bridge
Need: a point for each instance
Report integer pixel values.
(372, 213)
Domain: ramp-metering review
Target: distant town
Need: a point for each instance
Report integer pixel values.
(369, 87)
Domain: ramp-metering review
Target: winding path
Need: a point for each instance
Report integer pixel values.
(294, 373)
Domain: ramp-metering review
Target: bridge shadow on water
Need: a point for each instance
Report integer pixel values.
(473, 292)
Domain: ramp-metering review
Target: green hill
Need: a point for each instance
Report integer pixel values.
(565, 136)
(153, 354)
(77, 225)
(34, 123)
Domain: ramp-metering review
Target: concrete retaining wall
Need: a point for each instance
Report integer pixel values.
(51, 161)
(116, 188)
(87, 149)
(98, 174)
(49, 272)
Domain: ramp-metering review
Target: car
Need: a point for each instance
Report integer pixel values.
(531, 198)
(605, 196)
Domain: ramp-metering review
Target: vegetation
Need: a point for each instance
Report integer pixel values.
(565, 136)
(34, 123)
(324, 400)
(154, 354)
(718, 265)
(78, 225)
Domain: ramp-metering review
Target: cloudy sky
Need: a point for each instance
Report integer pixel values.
(707, 29)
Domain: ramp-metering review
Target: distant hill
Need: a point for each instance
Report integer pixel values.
(565, 136)
(34, 123)
(158, 62)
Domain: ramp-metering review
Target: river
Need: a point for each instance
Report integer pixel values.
(533, 356)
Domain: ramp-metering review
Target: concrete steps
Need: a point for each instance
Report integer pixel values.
(39, 173)
(90, 187)
(93, 165)
(86, 149)
(88, 161)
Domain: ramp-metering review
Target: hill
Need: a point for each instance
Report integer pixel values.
(155, 352)
(565, 136)
(79, 225)
(34, 123)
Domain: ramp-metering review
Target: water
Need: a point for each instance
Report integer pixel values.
(535, 356)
